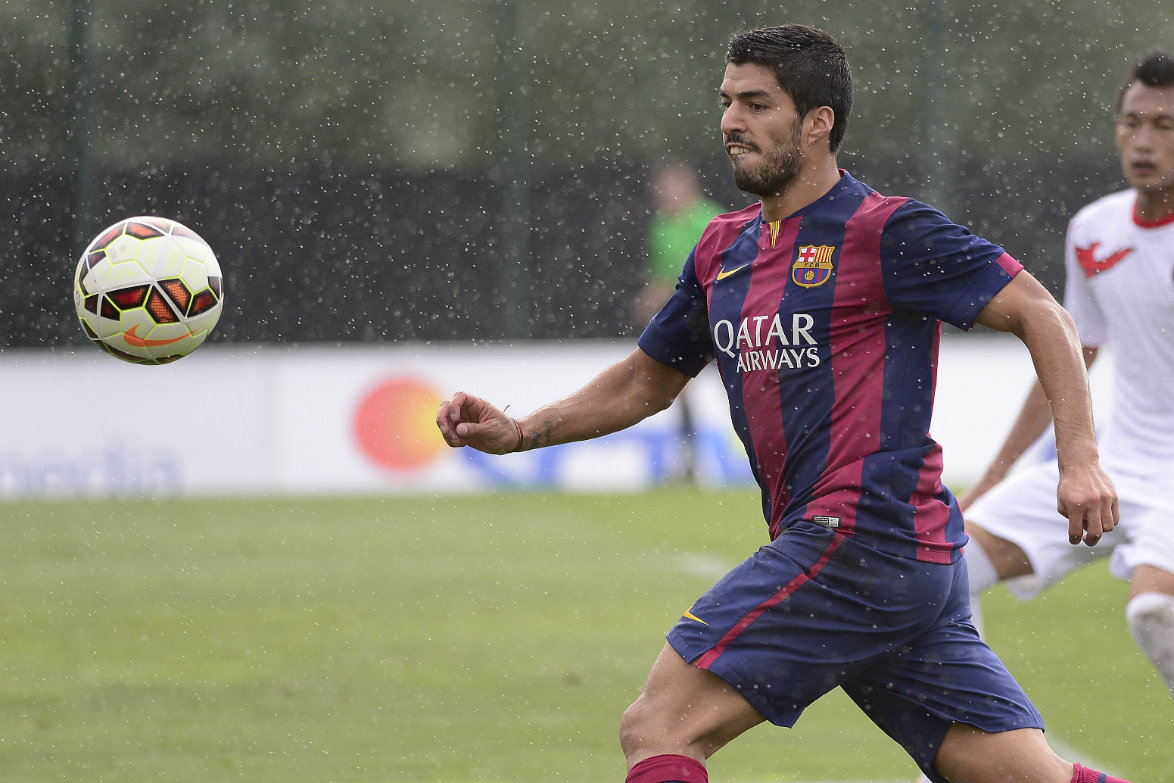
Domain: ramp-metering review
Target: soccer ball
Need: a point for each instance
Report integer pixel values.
(148, 290)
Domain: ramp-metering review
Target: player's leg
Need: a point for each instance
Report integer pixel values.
(974, 755)
(1015, 531)
(682, 716)
(977, 756)
(688, 438)
(952, 704)
(773, 635)
(1007, 560)
(1146, 561)
(1150, 614)
(990, 560)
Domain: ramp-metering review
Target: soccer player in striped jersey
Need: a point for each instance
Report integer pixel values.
(1120, 292)
(822, 307)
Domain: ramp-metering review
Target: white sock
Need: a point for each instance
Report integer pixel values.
(1151, 621)
(982, 575)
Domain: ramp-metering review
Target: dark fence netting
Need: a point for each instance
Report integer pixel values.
(316, 255)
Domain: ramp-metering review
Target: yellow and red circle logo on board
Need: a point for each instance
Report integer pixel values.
(395, 424)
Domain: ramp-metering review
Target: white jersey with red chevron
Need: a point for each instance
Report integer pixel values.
(1120, 291)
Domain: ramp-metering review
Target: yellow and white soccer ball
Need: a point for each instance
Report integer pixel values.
(148, 290)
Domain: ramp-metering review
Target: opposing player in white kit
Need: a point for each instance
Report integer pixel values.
(1120, 292)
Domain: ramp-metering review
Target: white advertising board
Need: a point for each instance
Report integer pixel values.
(347, 420)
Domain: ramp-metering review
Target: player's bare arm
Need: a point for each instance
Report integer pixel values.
(625, 393)
(1085, 495)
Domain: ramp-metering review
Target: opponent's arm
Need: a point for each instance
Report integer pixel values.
(1085, 494)
(622, 395)
(1034, 417)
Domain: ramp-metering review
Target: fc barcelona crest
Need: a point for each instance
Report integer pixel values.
(813, 267)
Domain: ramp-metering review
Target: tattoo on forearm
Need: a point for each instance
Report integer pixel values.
(541, 437)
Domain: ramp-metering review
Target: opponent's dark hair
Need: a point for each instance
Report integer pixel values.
(1154, 69)
(808, 63)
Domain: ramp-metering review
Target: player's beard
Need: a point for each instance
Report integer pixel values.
(779, 169)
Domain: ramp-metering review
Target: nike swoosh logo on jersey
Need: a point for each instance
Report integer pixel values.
(723, 273)
(1089, 263)
(691, 616)
(132, 338)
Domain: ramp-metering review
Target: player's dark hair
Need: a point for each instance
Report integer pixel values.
(809, 64)
(1154, 69)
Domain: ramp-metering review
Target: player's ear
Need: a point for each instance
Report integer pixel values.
(818, 125)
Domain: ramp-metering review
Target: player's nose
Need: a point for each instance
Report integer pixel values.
(732, 121)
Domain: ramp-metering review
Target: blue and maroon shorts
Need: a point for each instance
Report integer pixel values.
(814, 610)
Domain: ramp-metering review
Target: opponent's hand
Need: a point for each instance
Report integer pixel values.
(466, 420)
(1088, 499)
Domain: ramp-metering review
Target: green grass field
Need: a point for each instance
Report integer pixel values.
(456, 638)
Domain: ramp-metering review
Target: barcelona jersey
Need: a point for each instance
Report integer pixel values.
(825, 328)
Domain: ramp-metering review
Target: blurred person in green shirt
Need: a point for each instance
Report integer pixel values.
(680, 213)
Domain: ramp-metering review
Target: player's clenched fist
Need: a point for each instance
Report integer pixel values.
(1090, 503)
(466, 420)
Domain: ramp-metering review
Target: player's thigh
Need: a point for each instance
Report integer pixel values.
(974, 755)
(683, 709)
(946, 676)
(1145, 556)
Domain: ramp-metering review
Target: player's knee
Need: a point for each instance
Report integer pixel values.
(643, 730)
(630, 731)
(1151, 621)
(1001, 559)
(980, 570)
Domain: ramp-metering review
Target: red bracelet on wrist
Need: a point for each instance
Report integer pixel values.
(521, 436)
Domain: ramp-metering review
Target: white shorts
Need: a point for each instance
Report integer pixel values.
(1022, 510)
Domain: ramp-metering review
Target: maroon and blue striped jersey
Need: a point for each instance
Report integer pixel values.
(825, 327)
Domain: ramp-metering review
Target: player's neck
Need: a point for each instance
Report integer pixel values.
(1154, 205)
(813, 182)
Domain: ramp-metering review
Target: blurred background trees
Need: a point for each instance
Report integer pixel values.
(412, 170)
